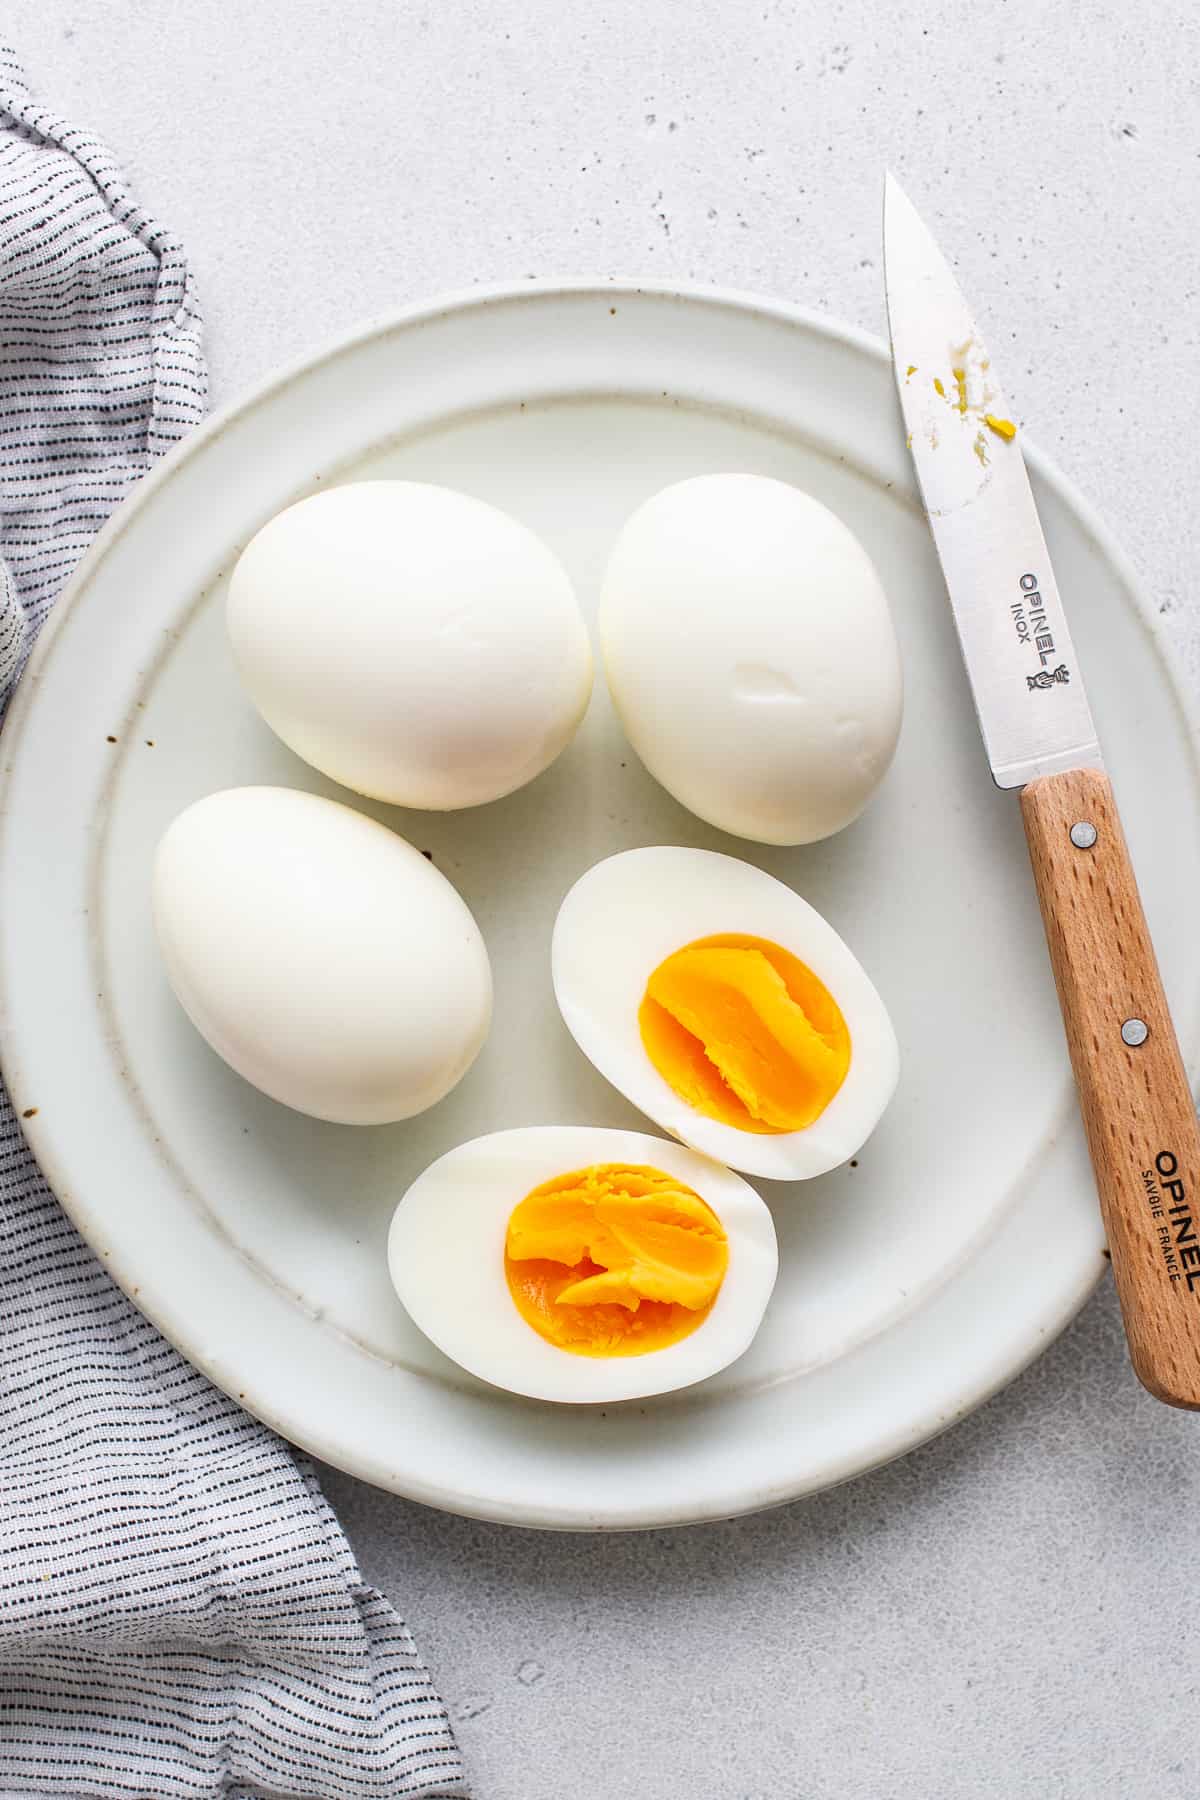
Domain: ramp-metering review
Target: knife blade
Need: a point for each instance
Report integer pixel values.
(1029, 694)
(1038, 732)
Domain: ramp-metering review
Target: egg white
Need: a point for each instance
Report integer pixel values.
(412, 642)
(628, 913)
(751, 657)
(446, 1259)
(320, 954)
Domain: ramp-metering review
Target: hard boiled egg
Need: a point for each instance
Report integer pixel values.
(413, 643)
(568, 1263)
(726, 1008)
(751, 657)
(323, 957)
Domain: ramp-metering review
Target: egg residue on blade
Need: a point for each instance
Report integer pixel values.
(321, 955)
(576, 1264)
(411, 642)
(751, 657)
(726, 1008)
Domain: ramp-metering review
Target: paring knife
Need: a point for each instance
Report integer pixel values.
(1038, 732)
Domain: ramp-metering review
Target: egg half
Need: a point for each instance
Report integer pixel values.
(726, 1008)
(414, 643)
(577, 1264)
(321, 955)
(751, 657)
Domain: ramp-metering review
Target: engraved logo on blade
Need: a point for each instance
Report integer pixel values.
(1031, 626)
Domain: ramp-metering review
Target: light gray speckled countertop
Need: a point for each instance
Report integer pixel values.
(1011, 1611)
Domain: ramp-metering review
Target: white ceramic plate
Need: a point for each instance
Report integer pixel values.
(912, 1284)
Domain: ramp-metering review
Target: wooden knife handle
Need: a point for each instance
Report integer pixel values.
(1133, 1090)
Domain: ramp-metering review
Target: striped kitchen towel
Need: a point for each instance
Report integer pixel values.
(180, 1613)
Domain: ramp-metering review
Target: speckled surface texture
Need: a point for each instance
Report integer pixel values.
(1011, 1611)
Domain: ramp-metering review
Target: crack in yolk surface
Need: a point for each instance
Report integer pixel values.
(745, 1033)
(614, 1261)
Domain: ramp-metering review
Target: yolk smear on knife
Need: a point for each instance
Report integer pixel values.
(746, 1033)
(960, 382)
(1002, 427)
(614, 1260)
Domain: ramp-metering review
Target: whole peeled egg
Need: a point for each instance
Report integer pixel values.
(573, 1263)
(726, 1008)
(323, 957)
(751, 657)
(415, 644)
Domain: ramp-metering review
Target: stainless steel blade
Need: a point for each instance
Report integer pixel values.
(1029, 694)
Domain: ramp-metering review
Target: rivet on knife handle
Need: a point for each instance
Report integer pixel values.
(1133, 1090)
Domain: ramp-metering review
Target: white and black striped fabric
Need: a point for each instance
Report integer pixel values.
(180, 1614)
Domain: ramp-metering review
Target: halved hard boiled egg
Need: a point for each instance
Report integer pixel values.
(726, 1008)
(567, 1263)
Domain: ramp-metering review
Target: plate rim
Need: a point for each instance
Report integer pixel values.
(479, 299)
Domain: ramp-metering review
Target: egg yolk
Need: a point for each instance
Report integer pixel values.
(614, 1261)
(745, 1033)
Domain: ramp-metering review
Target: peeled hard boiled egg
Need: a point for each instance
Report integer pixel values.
(413, 643)
(323, 957)
(751, 657)
(726, 1008)
(568, 1263)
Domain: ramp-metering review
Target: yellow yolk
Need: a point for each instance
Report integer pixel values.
(614, 1261)
(1002, 427)
(745, 1033)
